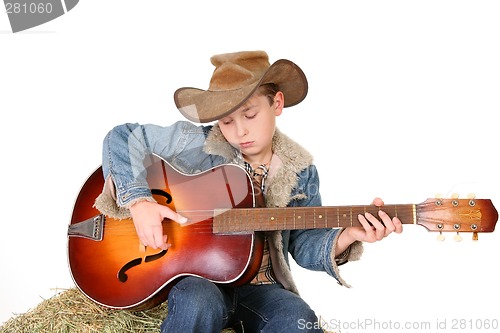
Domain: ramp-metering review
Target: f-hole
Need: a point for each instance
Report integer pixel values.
(122, 275)
(163, 194)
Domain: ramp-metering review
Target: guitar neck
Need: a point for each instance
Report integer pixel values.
(292, 218)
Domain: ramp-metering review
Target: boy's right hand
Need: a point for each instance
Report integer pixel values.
(148, 217)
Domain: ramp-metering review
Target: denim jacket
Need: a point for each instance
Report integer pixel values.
(195, 148)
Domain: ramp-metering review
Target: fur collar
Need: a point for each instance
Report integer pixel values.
(294, 157)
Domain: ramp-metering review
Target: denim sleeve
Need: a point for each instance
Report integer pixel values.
(126, 146)
(312, 248)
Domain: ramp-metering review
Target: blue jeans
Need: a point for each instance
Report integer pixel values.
(198, 305)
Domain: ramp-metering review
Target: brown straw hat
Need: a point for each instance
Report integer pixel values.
(235, 78)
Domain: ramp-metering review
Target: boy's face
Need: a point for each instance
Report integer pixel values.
(251, 127)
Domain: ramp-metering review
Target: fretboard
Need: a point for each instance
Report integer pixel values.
(292, 218)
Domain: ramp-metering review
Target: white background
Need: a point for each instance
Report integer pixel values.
(403, 104)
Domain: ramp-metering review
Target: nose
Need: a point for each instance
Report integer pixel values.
(241, 129)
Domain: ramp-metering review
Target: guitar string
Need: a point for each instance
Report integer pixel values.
(253, 215)
(289, 211)
(236, 226)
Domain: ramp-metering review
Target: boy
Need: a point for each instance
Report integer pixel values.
(245, 96)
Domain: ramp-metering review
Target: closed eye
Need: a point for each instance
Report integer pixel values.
(226, 121)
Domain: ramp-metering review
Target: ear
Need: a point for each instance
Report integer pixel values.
(279, 102)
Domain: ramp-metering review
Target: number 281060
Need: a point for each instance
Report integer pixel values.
(28, 8)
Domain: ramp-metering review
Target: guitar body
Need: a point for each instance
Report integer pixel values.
(110, 266)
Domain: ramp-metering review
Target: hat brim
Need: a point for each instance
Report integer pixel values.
(204, 106)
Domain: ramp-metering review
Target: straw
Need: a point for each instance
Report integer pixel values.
(71, 311)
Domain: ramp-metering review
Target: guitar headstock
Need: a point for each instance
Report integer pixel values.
(457, 215)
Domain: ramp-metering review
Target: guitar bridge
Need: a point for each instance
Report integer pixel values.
(91, 228)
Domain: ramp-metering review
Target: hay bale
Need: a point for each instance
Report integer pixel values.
(70, 311)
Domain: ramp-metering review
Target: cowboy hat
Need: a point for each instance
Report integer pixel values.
(235, 78)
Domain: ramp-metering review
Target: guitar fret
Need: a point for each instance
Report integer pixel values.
(285, 219)
(338, 217)
(300, 221)
(260, 220)
(273, 222)
(314, 217)
(307, 217)
(350, 210)
(263, 219)
(233, 221)
(230, 222)
(226, 219)
(414, 214)
(246, 218)
(294, 222)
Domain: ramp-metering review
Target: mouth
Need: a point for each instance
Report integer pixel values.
(246, 144)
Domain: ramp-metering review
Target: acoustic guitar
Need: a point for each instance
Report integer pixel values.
(222, 240)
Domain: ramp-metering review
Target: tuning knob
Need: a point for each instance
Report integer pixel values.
(457, 237)
(440, 237)
(474, 236)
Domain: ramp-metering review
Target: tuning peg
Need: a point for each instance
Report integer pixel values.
(438, 196)
(457, 237)
(471, 196)
(440, 237)
(474, 236)
(454, 196)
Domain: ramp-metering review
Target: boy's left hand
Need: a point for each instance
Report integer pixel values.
(371, 229)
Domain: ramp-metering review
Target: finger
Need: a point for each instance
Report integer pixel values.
(158, 237)
(378, 202)
(170, 214)
(165, 240)
(180, 219)
(364, 222)
(369, 229)
(398, 225)
(386, 220)
(392, 225)
(379, 227)
(146, 237)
